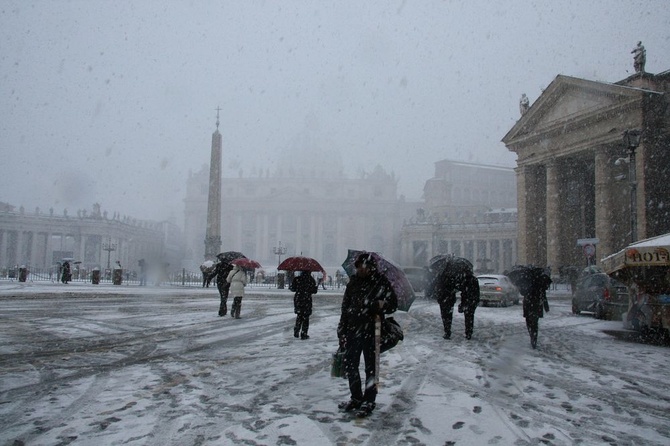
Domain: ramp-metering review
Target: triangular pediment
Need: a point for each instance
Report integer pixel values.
(568, 100)
(572, 102)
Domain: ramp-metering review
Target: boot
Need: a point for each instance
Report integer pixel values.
(351, 405)
(238, 307)
(366, 409)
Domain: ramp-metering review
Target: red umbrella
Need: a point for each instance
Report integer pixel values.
(246, 263)
(301, 263)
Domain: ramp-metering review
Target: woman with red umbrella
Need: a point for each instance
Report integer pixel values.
(369, 294)
(304, 286)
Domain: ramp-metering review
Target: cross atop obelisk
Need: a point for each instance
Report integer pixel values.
(213, 231)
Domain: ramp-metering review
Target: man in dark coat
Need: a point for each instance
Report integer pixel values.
(368, 295)
(66, 276)
(469, 302)
(221, 271)
(304, 286)
(443, 287)
(535, 303)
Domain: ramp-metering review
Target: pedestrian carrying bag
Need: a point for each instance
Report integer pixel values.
(391, 334)
(337, 365)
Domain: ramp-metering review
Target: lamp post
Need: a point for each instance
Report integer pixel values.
(109, 247)
(632, 140)
(279, 251)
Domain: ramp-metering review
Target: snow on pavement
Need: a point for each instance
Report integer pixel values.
(85, 364)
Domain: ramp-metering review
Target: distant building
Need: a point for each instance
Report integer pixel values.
(41, 240)
(469, 210)
(307, 203)
(574, 174)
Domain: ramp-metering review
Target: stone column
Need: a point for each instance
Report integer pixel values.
(34, 260)
(603, 203)
(641, 158)
(522, 173)
(3, 248)
(553, 216)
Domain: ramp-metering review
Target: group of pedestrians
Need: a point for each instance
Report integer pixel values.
(230, 280)
(368, 297)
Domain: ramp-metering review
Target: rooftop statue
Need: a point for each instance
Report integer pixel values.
(639, 57)
(524, 104)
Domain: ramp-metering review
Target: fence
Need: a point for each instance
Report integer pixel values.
(184, 278)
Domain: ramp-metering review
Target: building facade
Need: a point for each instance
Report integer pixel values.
(301, 208)
(469, 210)
(574, 171)
(42, 240)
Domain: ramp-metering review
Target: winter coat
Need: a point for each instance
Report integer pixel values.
(535, 301)
(304, 286)
(443, 287)
(360, 305)
(469, 294)
(237, 279)
(221, 272)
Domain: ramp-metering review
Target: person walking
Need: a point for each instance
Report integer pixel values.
(237, 279)
(442, 288)
(535, 303)
(221, 271)
(304, 286)
(66, 275)
(469, 302)
(368, 295)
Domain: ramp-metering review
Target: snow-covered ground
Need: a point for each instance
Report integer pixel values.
(104, 365)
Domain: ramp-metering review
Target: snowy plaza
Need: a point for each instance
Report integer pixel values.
(83, 364)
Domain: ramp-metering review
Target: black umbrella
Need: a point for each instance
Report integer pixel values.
(455, 266)
(526, 277)
(229, 256)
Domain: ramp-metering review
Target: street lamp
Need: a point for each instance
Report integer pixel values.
(109, 247)
(279, 251)
(632, 140)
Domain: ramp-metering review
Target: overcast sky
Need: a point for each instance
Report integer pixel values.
(114, 101)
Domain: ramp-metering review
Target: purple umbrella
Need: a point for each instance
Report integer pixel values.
(395, 275)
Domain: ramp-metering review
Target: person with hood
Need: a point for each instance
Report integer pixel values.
(368, 295)
(237, 279)
(304, 286)
(535, 303)
(221, 271)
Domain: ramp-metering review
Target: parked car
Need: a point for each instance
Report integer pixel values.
(416, 277)
(601, 295)
(497, 289)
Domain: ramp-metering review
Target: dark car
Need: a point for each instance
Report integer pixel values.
(601, 295)
(497, 289)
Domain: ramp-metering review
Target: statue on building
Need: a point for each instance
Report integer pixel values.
(524, 104)
(639, 57)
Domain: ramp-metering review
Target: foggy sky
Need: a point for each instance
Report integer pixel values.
(114, 101)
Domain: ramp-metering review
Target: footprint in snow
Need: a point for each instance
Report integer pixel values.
(458, 425)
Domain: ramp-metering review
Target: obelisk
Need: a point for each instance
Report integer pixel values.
(213, 232)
